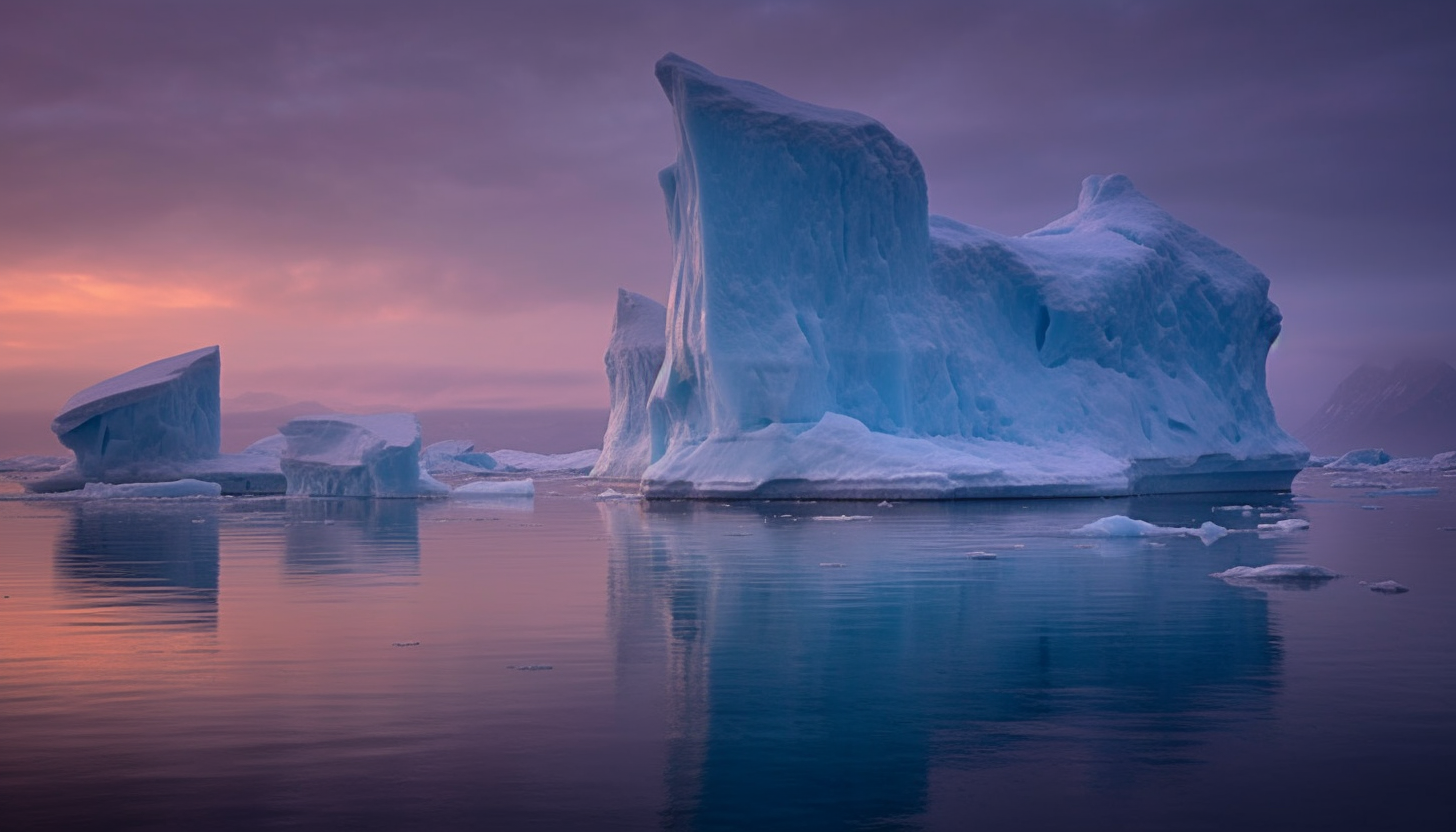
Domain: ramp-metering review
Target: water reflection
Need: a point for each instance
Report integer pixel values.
(141, 565)
(815, 670)
(324, 537)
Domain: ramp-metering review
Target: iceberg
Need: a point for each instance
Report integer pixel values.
(576, 462)
(156, 423)
(165, 411)
(456, 456)
(339, 455)
(634, 358)
(827, 337)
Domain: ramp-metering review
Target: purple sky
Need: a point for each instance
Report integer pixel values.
(427, 204)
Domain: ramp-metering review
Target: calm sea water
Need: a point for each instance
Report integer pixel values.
(270, 663)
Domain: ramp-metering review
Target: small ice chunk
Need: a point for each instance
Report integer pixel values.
(1291, 525)
(529, 667)
(1276, 572)
(1372, 508)
(497, 488)
(884, 504)
(1233, 508)
(844, 517)
(1122, 526)
(1387, 587)
(173, 489)
(406, 644)
(829, 565)
(613, 495)
(1363, 458)
(1407, 492)
(981, 556)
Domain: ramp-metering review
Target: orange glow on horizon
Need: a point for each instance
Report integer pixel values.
(89, 295)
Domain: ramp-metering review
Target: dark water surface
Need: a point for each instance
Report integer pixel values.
(233, 664)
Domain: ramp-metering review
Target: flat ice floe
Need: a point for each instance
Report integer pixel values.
(1277, 573)
(1122, 526)
(487, 489)
(137, 490)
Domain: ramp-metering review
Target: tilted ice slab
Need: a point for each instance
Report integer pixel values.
(165, 411)
(157, 423)
(826, 337)
(634, 358)
(339, 455)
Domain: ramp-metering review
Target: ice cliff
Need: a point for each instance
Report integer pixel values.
(633, 360)
(826, 337)
(340, 455)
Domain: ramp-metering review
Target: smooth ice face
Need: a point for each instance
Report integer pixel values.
(339, 455)
(165, 411)
(827, 337)
(633, 360)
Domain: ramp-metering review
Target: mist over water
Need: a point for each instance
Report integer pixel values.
(240, 663)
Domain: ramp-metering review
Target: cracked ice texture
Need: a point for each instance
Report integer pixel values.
(167, 411)
(633, 359)
(827, 337)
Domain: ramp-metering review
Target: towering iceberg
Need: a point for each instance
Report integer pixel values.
(826, 337)
(340, 455)
(634, 357)
(166, 411)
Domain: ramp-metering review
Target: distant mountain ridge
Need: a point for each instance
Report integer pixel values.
(1409, 411)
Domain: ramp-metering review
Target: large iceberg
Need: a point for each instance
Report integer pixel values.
(165, 411)
(340, 455)
(826, 337)
(634, 357)
(155, 423)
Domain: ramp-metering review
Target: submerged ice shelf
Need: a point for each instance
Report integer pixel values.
(827, 337)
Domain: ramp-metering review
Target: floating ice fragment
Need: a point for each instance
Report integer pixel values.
(406, 644)
(1291, 525)
(613, 495)
(1233, 508)
(884, 504)
(1276, 573)
(174, 489)
(832, 565)
(496, 488)
(844, 517)
(981, 556)
(1122, 526)
(529, 667)
(1387, 587)
(1372, 508)
(1406, 492)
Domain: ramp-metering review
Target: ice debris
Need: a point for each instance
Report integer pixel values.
(827, 337)
(1355, 460)
(1122, 526)
(576, 462)
(1276, 573)
(1290, 525)
(497, 488)
(842, 518)
(633, 359)
(341, 455)
(174, 489)
(456, 456)
(1387, 587)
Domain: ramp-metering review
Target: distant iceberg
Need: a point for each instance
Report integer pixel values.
(340, 455)
(827, 337)
(634, 358)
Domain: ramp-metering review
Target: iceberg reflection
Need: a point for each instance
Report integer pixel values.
(797, 696)
(351, 537)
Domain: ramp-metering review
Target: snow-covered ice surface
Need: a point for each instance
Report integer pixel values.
(137, 490)
(30, 463)
(1357, 459)
(827, 337)
(340, 455)
(456, 456)
(633, 359)
(165, 411)
(576, 462)
(1122, 526)
(1276, 573)
(496, 488)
